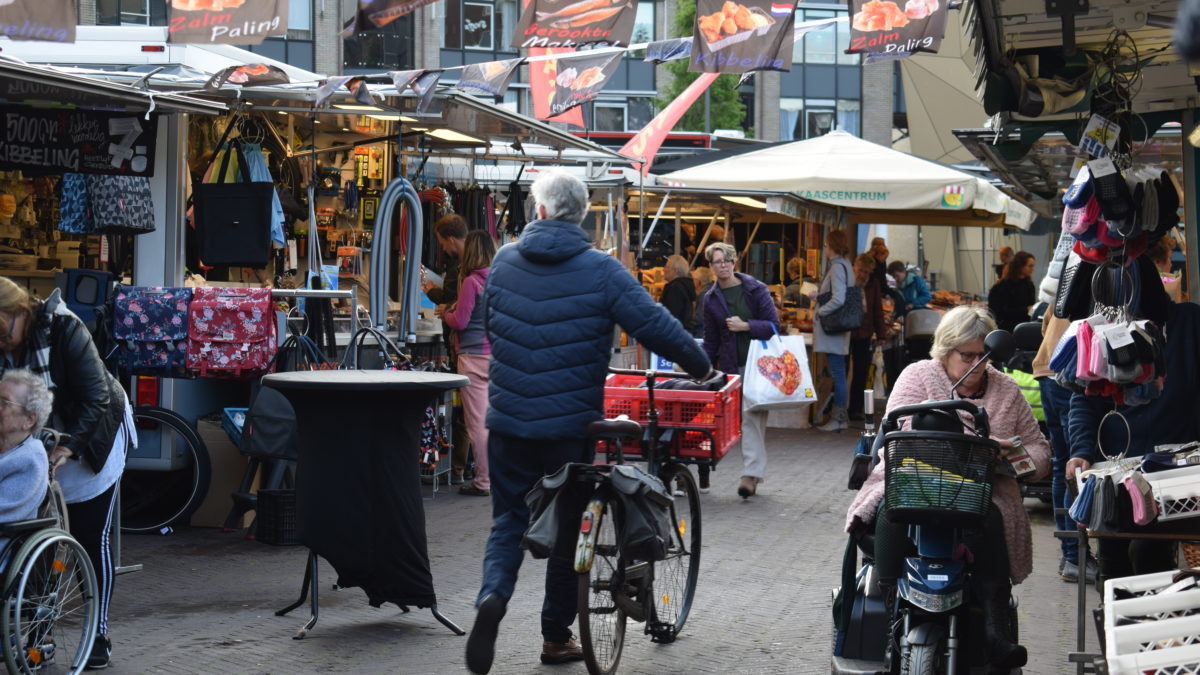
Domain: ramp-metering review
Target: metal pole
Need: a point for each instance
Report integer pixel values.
(1192, 238)
(641, 215)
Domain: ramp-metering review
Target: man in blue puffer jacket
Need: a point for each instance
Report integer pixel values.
(552, 300)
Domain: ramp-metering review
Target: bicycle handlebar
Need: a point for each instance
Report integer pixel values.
(648, 373)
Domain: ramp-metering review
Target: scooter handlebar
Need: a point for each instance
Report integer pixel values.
(953, 404)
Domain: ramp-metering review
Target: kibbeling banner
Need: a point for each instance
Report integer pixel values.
(737, 37)
(580, 79)
(228, 22)
(81, 141)
(47, 20)
(573, 23)
(882, 27)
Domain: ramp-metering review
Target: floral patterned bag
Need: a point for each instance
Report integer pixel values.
(150, 329)
(231, 332)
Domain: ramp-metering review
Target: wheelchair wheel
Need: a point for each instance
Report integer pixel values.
(154, 500)
(601, 620)
(675, 577)
(50, 609)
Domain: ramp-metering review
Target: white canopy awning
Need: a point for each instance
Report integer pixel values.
(844, 170)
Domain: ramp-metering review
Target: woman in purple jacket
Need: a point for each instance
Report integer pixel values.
(738, 308)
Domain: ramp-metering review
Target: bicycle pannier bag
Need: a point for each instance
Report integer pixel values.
(644, 526)
(150, 329)
(554, 513)
(120, 204)
(231, 332)
(233, 220)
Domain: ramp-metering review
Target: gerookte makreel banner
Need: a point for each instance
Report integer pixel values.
(573, 23)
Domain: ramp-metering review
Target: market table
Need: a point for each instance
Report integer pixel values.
(358, 487)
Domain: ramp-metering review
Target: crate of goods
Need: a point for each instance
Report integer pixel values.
(1151, 625)
(1177, 492)
(276, 522)
(705, 424)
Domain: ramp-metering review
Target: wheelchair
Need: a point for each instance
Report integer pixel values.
(49, 609)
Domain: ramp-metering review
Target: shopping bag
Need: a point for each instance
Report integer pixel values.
(777, 374)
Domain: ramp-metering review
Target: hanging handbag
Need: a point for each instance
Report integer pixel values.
(847, 317)
(233, 220)
(120, 204)
(74, 213)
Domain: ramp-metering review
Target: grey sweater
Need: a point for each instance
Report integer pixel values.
(24, 477)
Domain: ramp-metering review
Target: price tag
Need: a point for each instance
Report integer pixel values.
(1102, 167)
(1118, 336)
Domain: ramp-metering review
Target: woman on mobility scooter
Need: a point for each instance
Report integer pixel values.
(1002, 551)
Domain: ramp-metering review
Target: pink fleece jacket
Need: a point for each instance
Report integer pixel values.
(1009, 415)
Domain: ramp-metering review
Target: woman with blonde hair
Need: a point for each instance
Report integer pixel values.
(835, 346)
(474, 351)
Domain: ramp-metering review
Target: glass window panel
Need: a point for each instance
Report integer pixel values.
(848, 116)
(820, 45)
(639, 112)
(843, 43)
(507, 23)
(609, 117)
(299, 18)
(643, 24)
(820, 122)
(477, 25)
(452, 36)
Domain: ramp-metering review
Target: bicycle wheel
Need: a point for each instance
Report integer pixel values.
(601, 621)
(152, 500)
(50, 610)
(675, 577)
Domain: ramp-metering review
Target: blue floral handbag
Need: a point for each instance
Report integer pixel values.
(150, 328)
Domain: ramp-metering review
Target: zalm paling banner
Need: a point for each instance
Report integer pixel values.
(229, 22)
(736, 37)
(573, 23)
(881, 27)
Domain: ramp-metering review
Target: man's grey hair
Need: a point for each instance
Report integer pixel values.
(564, 196)
(38, 398)
(958, 327)
(679, 264)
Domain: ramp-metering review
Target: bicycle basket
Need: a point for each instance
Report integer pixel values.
(941, 477)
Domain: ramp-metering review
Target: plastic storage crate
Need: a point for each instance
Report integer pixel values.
(1177, 492)
(276, 523)
(1151, 634)
(708, 423)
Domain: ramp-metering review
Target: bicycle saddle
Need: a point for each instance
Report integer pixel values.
(622, 430)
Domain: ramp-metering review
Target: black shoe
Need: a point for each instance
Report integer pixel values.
(481, 645)
(101, 654)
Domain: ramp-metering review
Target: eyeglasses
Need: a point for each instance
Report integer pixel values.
(714, 263)
(970, 357)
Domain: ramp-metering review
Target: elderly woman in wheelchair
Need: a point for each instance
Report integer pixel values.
(48, 609)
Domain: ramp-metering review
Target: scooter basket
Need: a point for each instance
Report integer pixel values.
(937, 476)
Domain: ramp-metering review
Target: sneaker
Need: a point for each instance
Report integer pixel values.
(554, 653)
(470, 490)
(1070, 571)
(101, 654)
(456, 479)
(481, 645)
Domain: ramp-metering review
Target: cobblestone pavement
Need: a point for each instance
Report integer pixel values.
(205, 601)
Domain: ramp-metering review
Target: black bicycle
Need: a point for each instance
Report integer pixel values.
(157, 498)
(614, 586)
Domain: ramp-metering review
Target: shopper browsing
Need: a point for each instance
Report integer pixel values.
(914, 292)
(836, 346)
(451, 233)
(679, 293)
(874, 327)
(1011, 298)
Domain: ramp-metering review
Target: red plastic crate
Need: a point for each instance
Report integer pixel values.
(702, 416)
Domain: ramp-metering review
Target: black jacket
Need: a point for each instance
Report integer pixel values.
(89, 403)
(679, 297)
(1010, 301)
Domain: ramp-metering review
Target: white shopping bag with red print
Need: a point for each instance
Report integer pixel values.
(777, 374)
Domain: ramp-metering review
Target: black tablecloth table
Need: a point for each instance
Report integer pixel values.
(358, 486)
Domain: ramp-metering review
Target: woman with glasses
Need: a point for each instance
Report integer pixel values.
(738, 308)
(1003, 550)
(44, 337)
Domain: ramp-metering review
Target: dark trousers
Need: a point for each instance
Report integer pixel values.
(1056, 403)
(860, 356)
(91, 526)
(516, 465)
(987, 545)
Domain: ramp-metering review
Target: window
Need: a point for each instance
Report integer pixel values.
(820, 122)
(843, 43)
(791, 119)
(820, 46)
(452, 36)
(848, 116)
(388, 48)
(609, 117)
(477, 25)
(638, 113)
(131, 13)
(643, 24)
(300, 19)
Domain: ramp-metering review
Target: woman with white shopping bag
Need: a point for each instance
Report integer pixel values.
(836, 346)
(737, 309)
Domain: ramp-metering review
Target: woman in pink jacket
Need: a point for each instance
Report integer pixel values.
(958, 345)
(474, 351)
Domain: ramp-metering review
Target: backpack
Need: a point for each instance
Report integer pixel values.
(150, 329)
(231, 332)
(269, 431)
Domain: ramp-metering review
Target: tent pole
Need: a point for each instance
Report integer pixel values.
(749, 242)
(704, 238)
(678, 226)
(637, 264)
(654, 223)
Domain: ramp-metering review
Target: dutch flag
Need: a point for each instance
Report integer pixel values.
(782, 8)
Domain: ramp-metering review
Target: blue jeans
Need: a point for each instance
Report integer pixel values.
(1056, 403)
(837, 370)
(516, 465)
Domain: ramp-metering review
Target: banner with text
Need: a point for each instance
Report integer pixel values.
(80, 141)
(47, 20)
(542, 86)
(880, 27)
(226, 22)
(646, 143)
(580, 79)
(488, 78)
(732, 37)
(559, 23)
